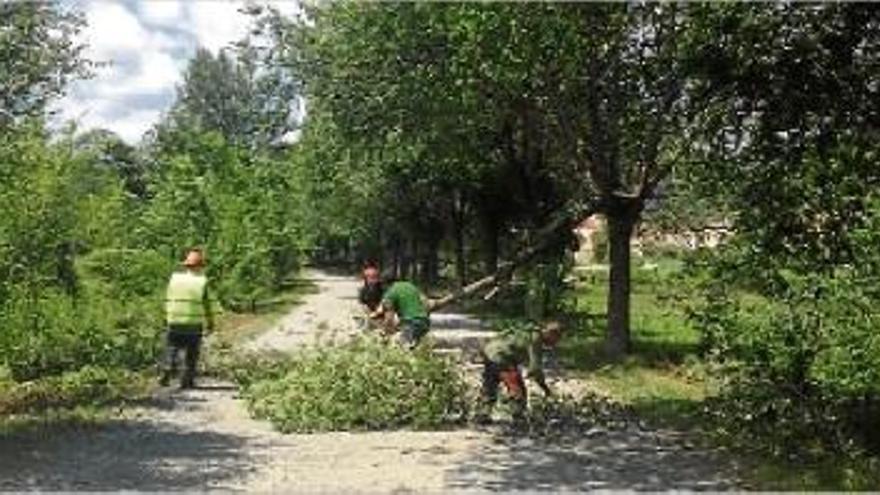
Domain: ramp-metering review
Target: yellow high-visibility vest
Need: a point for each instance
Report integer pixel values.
(185, 301)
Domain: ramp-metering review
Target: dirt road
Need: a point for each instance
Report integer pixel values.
(203, 439)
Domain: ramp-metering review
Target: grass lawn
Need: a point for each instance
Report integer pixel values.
(662, 377)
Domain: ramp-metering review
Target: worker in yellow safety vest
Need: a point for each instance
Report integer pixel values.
(188, 314)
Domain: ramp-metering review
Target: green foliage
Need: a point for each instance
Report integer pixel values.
(125, 273)
(53, 321)
(788, 309)
(363, 384)
(802, 359)
(246, 210)
(48, 333)
(38, 56)
(89, 385)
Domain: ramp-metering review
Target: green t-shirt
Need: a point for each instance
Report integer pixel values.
(525, 348)
(406, 300)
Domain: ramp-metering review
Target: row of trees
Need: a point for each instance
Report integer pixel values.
(438, 127)
(451, 128)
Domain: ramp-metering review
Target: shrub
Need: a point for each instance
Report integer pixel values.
(124, 273)
(802, 370)
(363, 384)
(115, 320)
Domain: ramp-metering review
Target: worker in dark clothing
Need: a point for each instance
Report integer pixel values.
(502, 358)
(370, 293)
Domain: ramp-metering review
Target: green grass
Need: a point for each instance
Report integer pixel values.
(662, 377)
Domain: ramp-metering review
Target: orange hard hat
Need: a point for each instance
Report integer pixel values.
(194, 258)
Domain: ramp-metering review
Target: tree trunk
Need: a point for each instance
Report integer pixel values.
(460, 258)
(491, 243)
(397, 258)
(493, 250)
(620, 229)
(414, 259)
(430, 259)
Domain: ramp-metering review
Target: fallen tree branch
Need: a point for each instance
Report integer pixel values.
(548, 238)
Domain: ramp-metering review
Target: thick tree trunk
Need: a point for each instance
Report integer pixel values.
(620, 229)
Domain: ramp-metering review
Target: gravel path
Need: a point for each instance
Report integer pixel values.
(203, 439)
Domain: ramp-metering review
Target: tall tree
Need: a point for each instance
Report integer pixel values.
(796, 127)
(38, 56)
(231, 94)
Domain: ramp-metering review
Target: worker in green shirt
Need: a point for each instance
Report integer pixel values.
(502, 358)
(405, 301)
(188, 314)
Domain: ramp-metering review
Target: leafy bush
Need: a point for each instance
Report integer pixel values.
(50, 333)
(362, 385)
(115, 320)
(125, 273)
(801, 365)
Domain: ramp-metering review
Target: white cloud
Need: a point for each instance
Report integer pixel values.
(112, 28)
(161, 11)
(132, 126)
(148, 47)
(287, 7)
(217, 23)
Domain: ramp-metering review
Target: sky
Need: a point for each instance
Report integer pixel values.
(147, 44)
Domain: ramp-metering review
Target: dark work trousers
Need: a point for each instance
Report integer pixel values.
(188, 338)
(412, 331)
(492, 379)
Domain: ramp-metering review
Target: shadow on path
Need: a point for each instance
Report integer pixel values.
(630, 460)
(123, 455)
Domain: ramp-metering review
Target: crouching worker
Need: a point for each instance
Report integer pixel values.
(188, 314)
(404, 301)
(502, 358)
